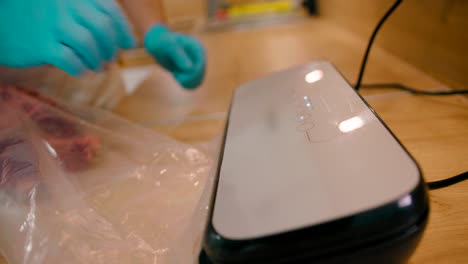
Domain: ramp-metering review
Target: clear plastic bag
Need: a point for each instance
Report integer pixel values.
(79, 185)
(102, 89)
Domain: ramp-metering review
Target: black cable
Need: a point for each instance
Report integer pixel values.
(369, 45)
(447, 182)
(412, 90)
(431, 185)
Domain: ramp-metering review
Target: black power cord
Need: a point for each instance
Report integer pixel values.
(447, 182)
(412, 90)
(371, 41)
(393, 85)
(431, 185)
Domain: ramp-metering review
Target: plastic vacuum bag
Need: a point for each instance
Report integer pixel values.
(79, 185)
(102, 89)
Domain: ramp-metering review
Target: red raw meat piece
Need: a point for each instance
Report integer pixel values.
(75, 149)
(75, 153)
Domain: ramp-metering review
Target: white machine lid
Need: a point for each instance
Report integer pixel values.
(301, 149)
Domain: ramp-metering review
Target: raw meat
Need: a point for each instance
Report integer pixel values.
(74, 149)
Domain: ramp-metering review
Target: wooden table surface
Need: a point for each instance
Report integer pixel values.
(433, 129)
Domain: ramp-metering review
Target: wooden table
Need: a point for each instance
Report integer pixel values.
(434, 129)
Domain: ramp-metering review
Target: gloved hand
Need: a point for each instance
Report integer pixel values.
(182, 55)
(73, 35)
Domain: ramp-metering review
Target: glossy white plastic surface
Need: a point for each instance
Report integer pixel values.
(302, 148)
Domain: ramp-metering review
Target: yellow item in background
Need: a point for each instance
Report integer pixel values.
(251, 9)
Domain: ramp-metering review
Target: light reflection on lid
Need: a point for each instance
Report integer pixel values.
(314, 76)
(351, 124)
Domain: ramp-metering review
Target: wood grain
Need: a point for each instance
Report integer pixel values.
(430, 34)
(435, 130)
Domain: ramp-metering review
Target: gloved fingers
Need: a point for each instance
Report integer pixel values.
(180, 59)
(83, 43)
(193, 47)
(194, 77)
(124, 33)
(101, 27)
(67, 60)
(190, 80)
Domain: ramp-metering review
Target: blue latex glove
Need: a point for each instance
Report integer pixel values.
(180, 54)
(73, 35)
